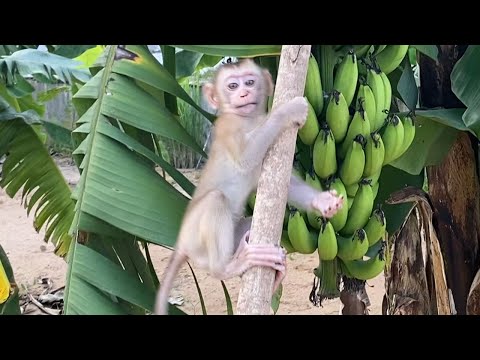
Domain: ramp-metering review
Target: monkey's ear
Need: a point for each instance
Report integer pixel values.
(268, 82)
(209, 93)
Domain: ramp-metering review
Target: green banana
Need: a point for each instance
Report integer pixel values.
(375, 190)
(376, 226)
(285, 242)
(388, 95)
(379, 49)
(374, 80)
(299, 235)
(309, 131)
(353, 247)
(360, 124)
(346, 76)
(314, 218)
(374, 155)
(389, 59)
(327, 242)
(352, 190)
(366, 269)
(340, 218)
(361, 50)
(313, 86)
(408, 134)
(350, 203)
(337, 116)
(361, 209)
(366, 98)
(352, 166)
(324, 153)
(374, 178)
(392, 139)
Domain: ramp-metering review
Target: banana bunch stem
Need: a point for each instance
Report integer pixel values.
(328, 59)
(326, 282)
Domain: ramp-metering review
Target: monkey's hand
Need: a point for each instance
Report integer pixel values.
(296, 111)
(281, 273)
(327, 203)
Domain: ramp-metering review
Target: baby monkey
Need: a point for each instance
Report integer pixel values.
(214, 234)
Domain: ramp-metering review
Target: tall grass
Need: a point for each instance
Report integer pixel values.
(195, 124)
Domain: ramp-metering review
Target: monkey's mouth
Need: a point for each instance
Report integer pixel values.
(245, 105)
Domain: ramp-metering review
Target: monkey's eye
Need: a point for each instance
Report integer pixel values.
(232, 86)
(249, 82)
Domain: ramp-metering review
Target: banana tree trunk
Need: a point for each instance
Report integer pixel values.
(257, 283)
(453, 185)
(354, 297)
(415, 278)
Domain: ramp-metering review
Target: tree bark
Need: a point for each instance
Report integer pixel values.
(257, 283)
(415, 281)
(453, 185)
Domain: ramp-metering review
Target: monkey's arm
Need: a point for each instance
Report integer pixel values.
(258, 141)
(303, 196)
(300, 194)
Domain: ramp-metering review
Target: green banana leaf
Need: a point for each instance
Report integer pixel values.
(392, 179)
(10, 49)
(12, 305)
(141, 65)
(50, 94)
(465, 78)
(9, 112)
(109, 276)
(90, 56)
(407, 88)
(71, 51)
(436, 131)
(429, 50)
(227, 299)
(28, 166)
(42, 65)
(187, 62)
(234, 50)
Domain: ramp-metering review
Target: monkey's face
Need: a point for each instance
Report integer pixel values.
(243, 92)
(241, 89)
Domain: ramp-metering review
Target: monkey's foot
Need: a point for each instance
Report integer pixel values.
(249, 255)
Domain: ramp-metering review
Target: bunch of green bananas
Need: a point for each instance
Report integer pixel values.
(351, 135)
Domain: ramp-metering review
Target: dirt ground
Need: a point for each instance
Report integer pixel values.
(33, 262)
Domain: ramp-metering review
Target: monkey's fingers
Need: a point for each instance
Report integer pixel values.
(279, 276)
(266, 263)
(266, 260)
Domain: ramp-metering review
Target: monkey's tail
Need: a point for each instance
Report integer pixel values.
(161, 304)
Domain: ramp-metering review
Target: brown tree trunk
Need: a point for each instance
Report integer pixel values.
(453, 185)
(415, 279)
(257, 283)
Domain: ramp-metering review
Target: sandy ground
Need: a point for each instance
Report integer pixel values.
(33, 260)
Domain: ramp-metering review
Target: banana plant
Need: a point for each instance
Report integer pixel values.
(122, 203)
(28, 165)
